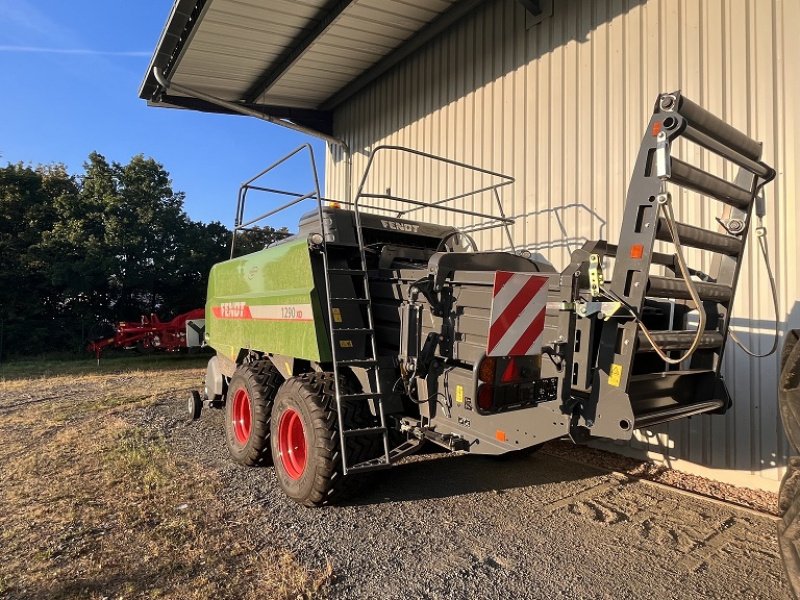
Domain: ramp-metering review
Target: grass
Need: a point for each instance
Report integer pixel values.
(32, 368)
(94, 507)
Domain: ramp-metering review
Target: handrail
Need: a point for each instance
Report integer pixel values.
(491, 220)
(297, 198)
(501, 221)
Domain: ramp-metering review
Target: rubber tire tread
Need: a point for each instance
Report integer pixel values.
(317, 392)
(263, 381)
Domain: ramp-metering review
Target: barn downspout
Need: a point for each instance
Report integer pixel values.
(167, 85)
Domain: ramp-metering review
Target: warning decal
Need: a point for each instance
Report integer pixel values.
(519, 302)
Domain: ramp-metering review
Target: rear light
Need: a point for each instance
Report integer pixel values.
(511, 372)
(486, 370)
(485, 397)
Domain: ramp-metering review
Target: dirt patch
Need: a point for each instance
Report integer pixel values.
(94, 507)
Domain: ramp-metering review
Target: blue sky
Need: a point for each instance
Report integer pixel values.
(69, 80)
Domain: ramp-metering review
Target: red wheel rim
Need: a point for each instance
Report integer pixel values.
(292, 443)
(242, 420)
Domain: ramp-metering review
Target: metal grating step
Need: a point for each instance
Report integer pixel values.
(364, 431)
(376, 464)
(353, 272)
(359, 362)
(351, 300)
(362, 396)
(353, 330)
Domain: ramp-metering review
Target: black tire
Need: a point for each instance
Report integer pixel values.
(144, 349)
(258, 383)
(194, 405)
(311, 398)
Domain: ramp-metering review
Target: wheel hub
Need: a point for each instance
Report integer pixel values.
(292, 443)
(242, 418)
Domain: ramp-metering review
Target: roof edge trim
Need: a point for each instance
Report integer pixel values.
(178, 31)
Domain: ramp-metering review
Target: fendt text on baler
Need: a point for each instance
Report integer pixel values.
(343, 348)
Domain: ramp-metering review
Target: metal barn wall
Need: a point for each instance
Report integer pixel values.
(561, 106)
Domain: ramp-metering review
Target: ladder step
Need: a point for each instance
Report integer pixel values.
(347, 271)
(353, 330)
(691, 177)
(355, 300)
(675, 287)
(679, 340)
(368, 396)
(364, 431)
(376, 464)
(697, 237)
(404, 449)
(359, 362)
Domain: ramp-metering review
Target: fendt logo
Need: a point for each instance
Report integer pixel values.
(400, 226)
(232, 310)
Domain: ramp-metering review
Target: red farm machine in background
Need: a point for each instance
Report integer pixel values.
(151, 334)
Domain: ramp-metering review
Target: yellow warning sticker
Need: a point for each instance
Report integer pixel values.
(615, 376)
(346, 343)
(460, 394)
(337, 315)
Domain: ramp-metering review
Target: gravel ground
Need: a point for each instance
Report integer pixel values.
(446, 526)
(758, 500)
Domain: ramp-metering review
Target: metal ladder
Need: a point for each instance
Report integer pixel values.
(629, 370)
(369, 361)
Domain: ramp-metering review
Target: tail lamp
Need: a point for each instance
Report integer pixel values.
(506, 382)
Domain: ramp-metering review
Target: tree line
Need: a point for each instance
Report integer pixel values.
(108, 244)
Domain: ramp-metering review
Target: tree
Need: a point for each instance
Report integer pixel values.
(111, 244)
(28, 303)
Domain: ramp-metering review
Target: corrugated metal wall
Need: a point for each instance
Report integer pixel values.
(561, 106)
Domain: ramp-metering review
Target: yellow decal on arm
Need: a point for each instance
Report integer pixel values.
(460, 394)
(615, 376)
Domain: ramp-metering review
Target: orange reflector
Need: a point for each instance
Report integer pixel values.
(637, 251)
(657, 128)
(334, 205)
(487, 369)
(500, 435)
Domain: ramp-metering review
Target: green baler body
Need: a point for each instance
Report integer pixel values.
(267, 301)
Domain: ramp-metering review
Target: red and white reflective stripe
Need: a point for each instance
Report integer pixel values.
(263, 312)
(519, 303)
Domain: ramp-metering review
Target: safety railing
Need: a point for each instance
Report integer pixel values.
(491, 221)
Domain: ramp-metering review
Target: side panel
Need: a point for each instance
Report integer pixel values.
(267, 301)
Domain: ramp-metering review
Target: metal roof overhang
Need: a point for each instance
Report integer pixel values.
(290, 60)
